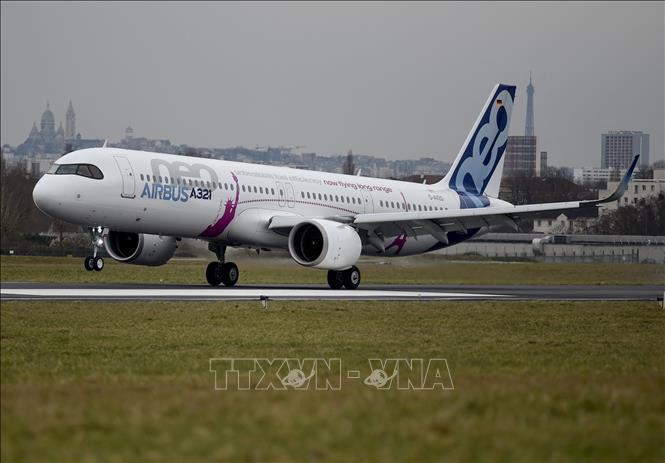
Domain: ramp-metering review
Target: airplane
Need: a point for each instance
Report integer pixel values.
(138, 205)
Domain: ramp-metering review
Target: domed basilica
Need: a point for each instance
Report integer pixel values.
(48, 140)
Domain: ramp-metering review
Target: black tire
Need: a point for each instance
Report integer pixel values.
(98, 264)
(214, 273)
(87, 263)
(230, 274)
(335, 280)
(351, 278)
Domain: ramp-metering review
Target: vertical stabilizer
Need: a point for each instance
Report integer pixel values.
(478, 167)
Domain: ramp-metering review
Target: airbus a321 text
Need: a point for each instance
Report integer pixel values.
(138, 205)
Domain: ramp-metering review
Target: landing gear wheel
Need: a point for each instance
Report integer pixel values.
(351, 278)
(230, 274)
(335, 280)
(214, 273)
(98, 263)
(88, 263)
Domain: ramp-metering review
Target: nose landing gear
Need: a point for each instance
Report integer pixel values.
(95, 262)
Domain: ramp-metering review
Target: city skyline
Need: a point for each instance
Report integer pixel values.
(389, 81)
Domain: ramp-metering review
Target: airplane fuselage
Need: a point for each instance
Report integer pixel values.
(231, 202)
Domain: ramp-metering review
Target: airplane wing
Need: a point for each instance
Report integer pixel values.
(439, 223)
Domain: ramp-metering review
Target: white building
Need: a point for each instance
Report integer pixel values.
(562, 224)
(637, 189)
(583, 175)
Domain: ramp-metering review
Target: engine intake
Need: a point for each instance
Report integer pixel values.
(324, 244)
(139, 248)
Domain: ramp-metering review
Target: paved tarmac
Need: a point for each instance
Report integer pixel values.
(111, 291)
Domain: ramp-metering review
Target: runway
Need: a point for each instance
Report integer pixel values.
(110, 292)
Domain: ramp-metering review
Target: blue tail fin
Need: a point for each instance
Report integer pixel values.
(478, 167)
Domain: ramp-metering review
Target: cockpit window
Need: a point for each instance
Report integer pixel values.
(84, 170)
(67, 169)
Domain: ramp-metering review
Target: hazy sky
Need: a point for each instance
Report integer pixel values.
(399, 80)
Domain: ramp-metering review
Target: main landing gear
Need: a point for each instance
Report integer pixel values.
(349, 278)
(95, 262)
(221, 272)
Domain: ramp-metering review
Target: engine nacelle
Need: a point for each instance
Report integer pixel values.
(139, 248)
(324, 244)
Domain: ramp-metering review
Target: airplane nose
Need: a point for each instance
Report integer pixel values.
(43, 196)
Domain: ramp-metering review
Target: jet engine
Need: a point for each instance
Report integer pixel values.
(139, 248)
(324, 244)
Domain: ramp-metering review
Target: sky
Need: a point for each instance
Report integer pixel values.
(397, 80)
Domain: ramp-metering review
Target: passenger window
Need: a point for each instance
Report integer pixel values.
(243, 188)
(272, 191)
(231, 185)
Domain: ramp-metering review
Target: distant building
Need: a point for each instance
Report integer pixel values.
(541, 164)
(582, 175)
(39, 166)
(529, 129)
(45, 140)
(573, 221)
(348, 164)
(638, 189)
(619, 148)
(309, 159)
(520, 156)
(70, 123)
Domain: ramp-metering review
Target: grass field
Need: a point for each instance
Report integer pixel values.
(399, 271)
(534, 381)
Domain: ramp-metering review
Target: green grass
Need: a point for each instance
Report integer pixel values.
(390, 271)
(534, 381)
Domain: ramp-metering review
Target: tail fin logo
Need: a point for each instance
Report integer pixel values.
(483, 151)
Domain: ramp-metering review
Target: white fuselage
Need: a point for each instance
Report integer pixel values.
(228, 202)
